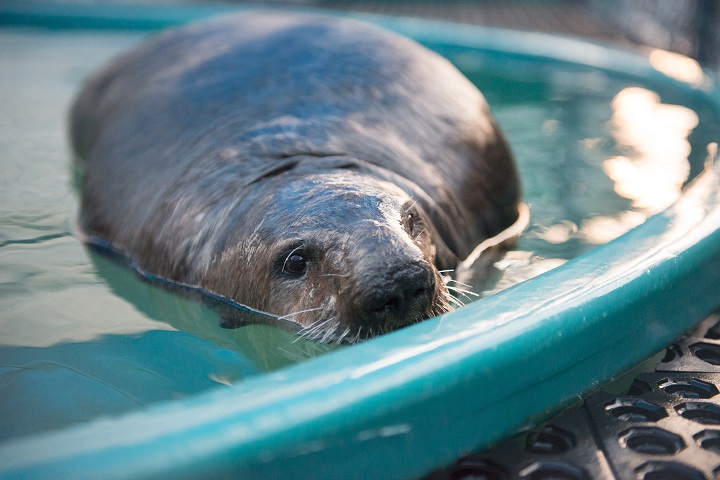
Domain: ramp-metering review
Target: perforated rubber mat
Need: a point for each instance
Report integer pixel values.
(665, 426)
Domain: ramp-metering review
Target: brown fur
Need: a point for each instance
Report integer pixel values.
(220, 153)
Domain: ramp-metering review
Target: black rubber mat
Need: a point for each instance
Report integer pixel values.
(665, 426)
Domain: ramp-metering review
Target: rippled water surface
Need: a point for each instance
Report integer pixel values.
(82, 337)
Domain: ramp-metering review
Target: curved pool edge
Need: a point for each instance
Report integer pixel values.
(433, 391)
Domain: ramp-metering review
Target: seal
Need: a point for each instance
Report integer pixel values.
(317, 168)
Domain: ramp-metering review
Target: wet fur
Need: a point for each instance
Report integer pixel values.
(215, 149)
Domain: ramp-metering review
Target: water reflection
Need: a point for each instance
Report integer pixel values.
(55, 387)
(267, 348)
(602, 229)
(655, 136)
(677, 66)
(650, 172)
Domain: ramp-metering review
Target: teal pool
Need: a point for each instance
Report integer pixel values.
(604, 141)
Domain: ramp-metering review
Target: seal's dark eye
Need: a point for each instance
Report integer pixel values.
(295, 264)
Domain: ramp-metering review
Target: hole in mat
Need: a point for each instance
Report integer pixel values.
(478, 469)
(672, 353)
(632, 410)
(639, 387)
(688, 387)
(707, 352)
(668, 471)
(700, 412)
(553, 471)
(551, 440)
(651, 440)
(709, 440)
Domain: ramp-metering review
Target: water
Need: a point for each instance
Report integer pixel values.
(82, 337)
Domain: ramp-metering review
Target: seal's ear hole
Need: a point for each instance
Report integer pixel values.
(412, 221)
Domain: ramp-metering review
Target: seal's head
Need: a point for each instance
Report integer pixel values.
(345, 255)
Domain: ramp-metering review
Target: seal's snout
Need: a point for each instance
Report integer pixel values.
(409, 289)
(400, 300)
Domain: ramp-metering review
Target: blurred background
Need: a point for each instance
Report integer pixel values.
(688, 27)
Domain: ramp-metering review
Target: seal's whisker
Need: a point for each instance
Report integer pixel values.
(314, 330)
(316, 326)
(304, 334)
(356, 337)
(455, 300)
(460, 283)
(445, 308)
(338, 339)
(352, 337)
(330, 332)
(346, 334)
(462, 291)
(450, 270)
(466, 292)
(291, 355)
(285, 317)
(320, 332)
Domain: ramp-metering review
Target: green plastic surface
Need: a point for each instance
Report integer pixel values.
(402, 404)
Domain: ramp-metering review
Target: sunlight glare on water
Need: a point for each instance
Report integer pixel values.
(657, 135)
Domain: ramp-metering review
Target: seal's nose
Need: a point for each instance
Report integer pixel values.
(400, 300)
